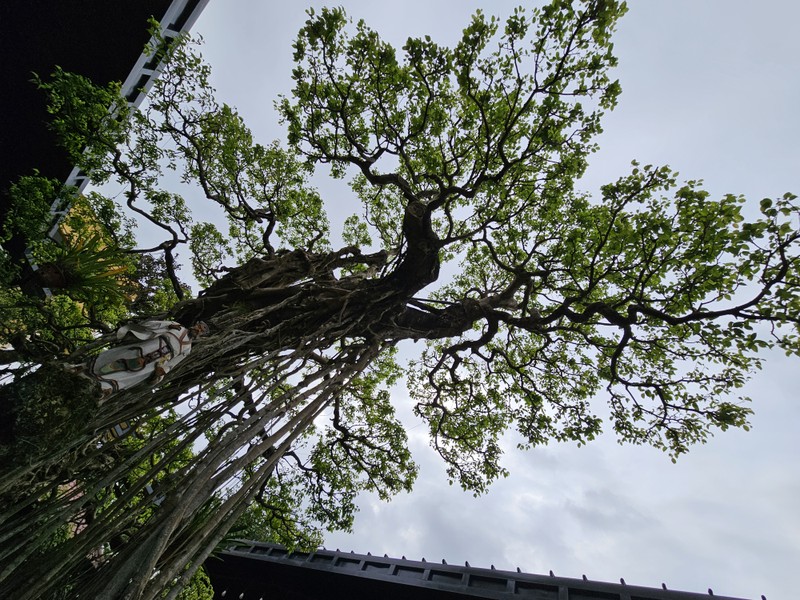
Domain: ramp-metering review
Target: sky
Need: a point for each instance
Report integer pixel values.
(710, 87)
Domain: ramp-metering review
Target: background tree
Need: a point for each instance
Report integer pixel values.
(652, 292)
(96, 276)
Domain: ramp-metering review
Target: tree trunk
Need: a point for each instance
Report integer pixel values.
(305, 325)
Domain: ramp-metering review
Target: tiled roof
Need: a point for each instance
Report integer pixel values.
(252, 570)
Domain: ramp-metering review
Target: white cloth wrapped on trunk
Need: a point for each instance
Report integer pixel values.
(146, 352)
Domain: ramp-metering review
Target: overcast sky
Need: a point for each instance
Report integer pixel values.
(710, 87)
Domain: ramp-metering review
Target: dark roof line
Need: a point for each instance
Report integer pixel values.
(463, 581)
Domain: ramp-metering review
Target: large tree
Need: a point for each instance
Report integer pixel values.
(535, 301)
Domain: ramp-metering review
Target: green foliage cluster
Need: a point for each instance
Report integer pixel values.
(95, 281)
(40, 410)
(30, 202)
(198, 588)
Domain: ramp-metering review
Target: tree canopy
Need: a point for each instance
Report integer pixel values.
(536, 301)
